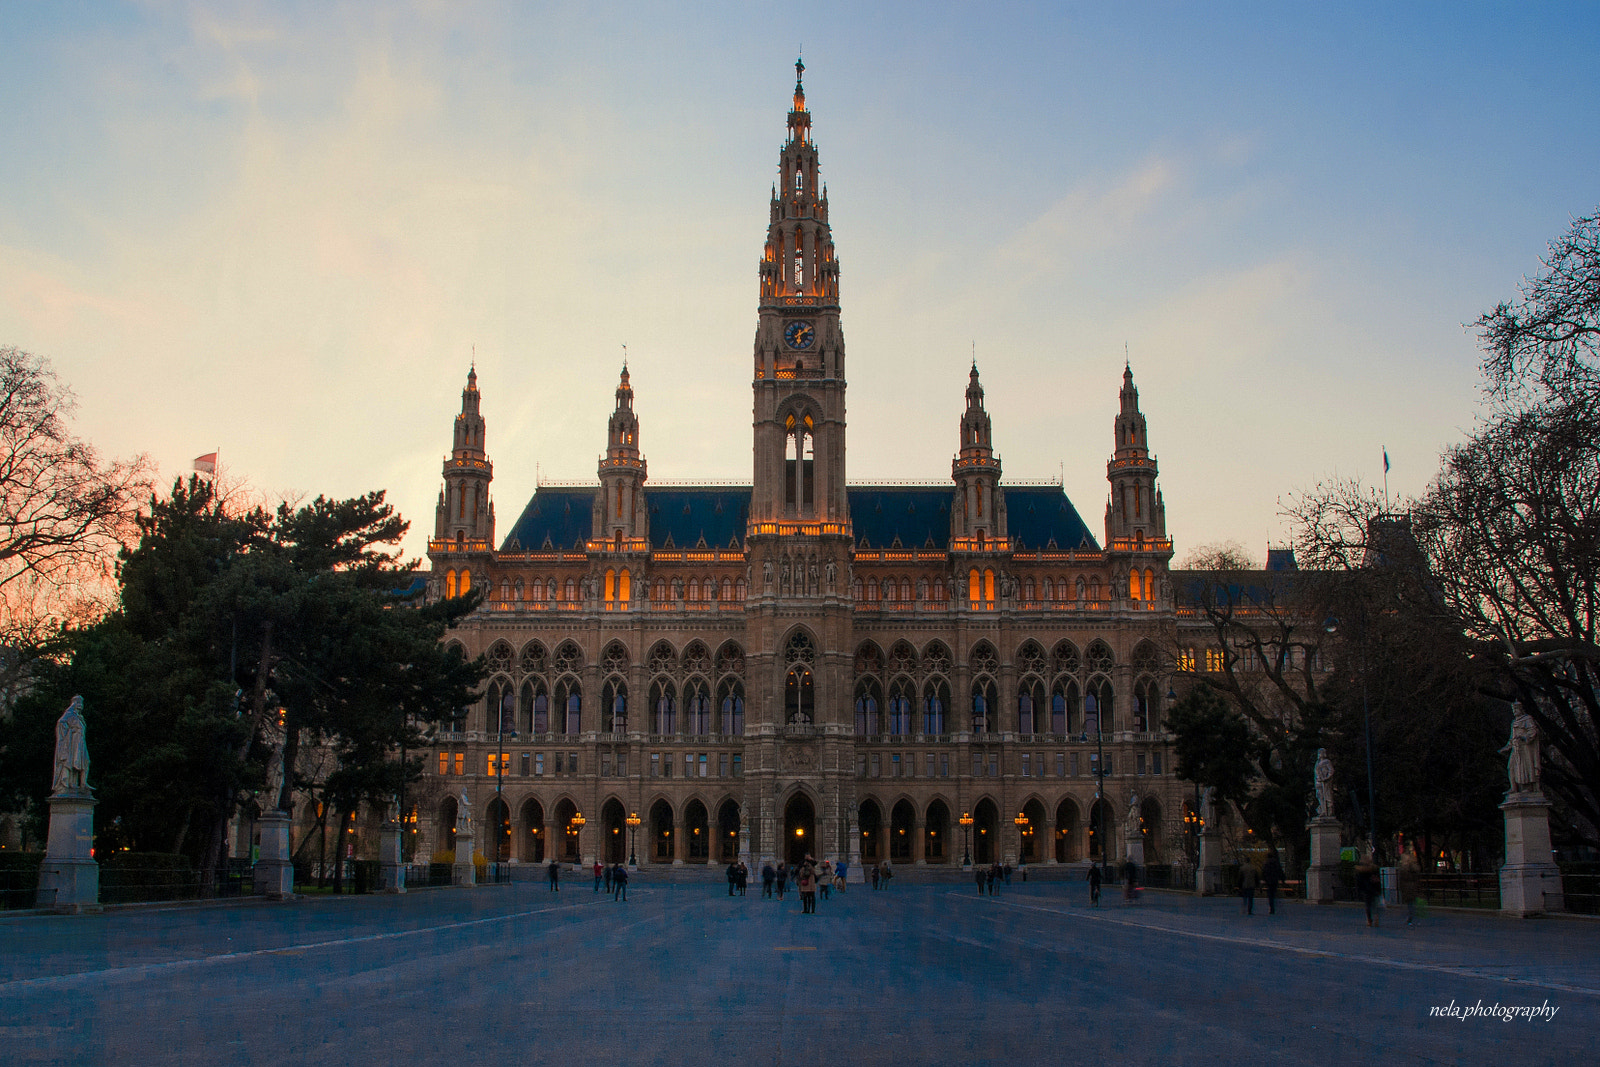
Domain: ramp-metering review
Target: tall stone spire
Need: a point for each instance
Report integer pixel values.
(465, 514)
(1136, 517)
(620, 515)
(978, 513)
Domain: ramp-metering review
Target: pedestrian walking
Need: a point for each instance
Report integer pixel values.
(619, 883)
(989, 878)
(886, 874)
(555, 877)
(733, 877)
(743, 878)
(599, 874)
(783, 878)
(825, 878)
(767, 875)
(1369, 888)
(806, 882)
(838, 874)
(1410, 878)
(1094, 885)
(1271, 879)
(1006, 871)
(1248, 880)
(1130, 882)
(877, 876)
(981, 876)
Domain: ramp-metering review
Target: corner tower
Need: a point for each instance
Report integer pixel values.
(620, 516)
(465, 515)
(978, 513)
(1136, 517)
(799, 379)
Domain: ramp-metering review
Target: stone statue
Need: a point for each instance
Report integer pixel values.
(391, 810)
(1522, 767)
(72, 753)
(813, 585)
(766, 573)
(1208, 809)
(1133, 810)
(1323, 782)
(272, 792)
(464, 814)
(833, 573)
(677, 588)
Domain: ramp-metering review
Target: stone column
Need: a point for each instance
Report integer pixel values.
(856, 874)
(464, 872)
(391, 869)
(1322, 879)
(69, 878)
(274, 873)
(1208, 875)
(1530, 882)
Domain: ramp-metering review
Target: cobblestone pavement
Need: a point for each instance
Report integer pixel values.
(681, 974)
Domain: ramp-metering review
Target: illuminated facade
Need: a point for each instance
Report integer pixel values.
(806, 665)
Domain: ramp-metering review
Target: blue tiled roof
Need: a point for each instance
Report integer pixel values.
(1037, 516)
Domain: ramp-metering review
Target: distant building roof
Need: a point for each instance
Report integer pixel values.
(560, 517)
(1281, 559)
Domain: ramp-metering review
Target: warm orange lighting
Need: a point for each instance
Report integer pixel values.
(799, 831)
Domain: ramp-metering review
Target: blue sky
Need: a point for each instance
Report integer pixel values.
(283, 230)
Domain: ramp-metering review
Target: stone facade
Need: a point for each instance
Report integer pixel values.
(802, 664)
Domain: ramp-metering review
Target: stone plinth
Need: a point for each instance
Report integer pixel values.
(1208, 875)
(274, 873)
(391, 872)
(1322, 878)
(1134, 849)
(1530, 882)
(69, 878)
(464, 872)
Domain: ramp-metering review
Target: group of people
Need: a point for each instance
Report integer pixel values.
(738, 877)
(613, 877)
(808, 877)
(1270, 877)
(987, 877)
(1369, 887)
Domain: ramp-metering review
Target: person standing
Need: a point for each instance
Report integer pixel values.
(1130, 882)
(1410, 879)
(886, 873)
(1271, 879)
(1094, 885)
(825, 878)
(733, 877)
(767, 876)
(1248, 880)
(619, 883)
(806, 882)
(555, 877)
(981, 876)
(783, 878)
(877, 876)
(1369, 887)
(608, 878)
(838, 874)
(744, 878)
(599, 874)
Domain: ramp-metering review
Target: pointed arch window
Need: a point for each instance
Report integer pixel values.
(697, 708)
(900, 708)
(731, 708)
(799, 696)
(935, 699)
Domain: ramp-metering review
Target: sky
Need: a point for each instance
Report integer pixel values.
(283, 231)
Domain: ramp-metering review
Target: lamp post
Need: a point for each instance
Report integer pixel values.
(1023, 832)
(966, 846)
(576, 829)
(633, 821)
(1332, 626)
(507, 703)
(1099, 789)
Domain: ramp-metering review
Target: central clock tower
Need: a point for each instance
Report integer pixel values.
(799, 352)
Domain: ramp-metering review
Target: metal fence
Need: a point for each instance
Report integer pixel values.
(1462, 890)
(1580, 887)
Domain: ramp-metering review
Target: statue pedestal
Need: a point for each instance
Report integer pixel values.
(1322, 878)
(464, 871)
(856, 875)
(1208, 875)
(69, 878)
(391, 871)
(274, 873)
(1134, 851)
(1530, 883)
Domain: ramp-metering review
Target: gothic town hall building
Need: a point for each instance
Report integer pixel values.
(804, 665)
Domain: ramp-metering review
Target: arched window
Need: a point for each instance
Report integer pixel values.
(867, 705)
(1063, 706)
(727, 589)
(450, 584)
(974, 586)
(466, 582)
(983, 705)
(1030, 695)
(900, 707)
(935, 699)
(663, 708)
(660, 594)
(572, 589)
(1149, 584)
(1134, 585)
(569, 698)
(697, 707)
(614, 706)
(799, 696)
(541, 711)
(731, 708)
(1098, 706)
(505, 589)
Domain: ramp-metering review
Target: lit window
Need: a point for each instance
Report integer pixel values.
(1186, 659)
(1214, 659)
(461, 763)
(444, 763)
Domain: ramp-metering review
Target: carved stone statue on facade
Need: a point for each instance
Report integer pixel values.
(1522, 766)
(814, 583)
(72, 752)
(1323, 784)
(1133, 810)
(766, 574)
(677, 588)
(391, 810)
(1208, 809)
(464, 814)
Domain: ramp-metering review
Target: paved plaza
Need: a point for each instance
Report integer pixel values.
(681, 974)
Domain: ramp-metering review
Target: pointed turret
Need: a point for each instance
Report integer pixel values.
(1136, 517)
(978, 512)
(621, 519)
(465, 515)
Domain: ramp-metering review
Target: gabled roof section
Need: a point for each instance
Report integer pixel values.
(1039, 516)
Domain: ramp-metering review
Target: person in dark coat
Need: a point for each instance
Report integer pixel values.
(608, 877)
(767, 876)
(1271, 879)
(783, 878)
(1094, 885)
(555, 877)
(733, 877)
(1369, 887)
(744, 878)
(980, 876)
(1248, 880)
(619, 883)
(876, 875)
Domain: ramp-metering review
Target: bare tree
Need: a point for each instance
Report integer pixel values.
(63, 513)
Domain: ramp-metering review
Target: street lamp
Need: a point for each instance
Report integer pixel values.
(575, 828)
(633, 821)
(1023, 830)
(1100, 788)
(1332, 626)
(966, 846)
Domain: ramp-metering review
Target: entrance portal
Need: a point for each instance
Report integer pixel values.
(799, 829)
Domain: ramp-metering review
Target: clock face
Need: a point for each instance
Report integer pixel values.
(799, 334)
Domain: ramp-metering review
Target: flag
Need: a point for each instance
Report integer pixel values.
(1385, 460)
(206, 464)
